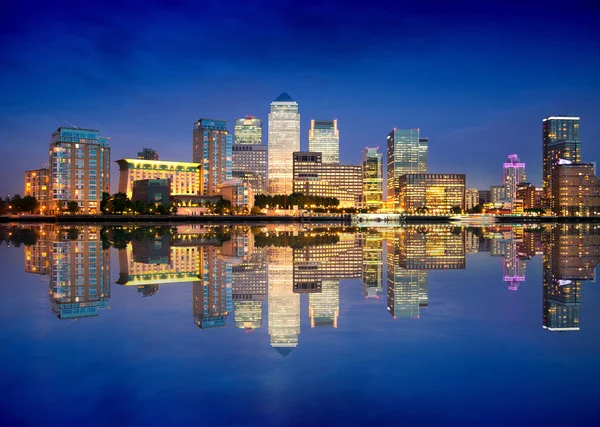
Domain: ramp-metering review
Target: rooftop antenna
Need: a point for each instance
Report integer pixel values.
(70, 124)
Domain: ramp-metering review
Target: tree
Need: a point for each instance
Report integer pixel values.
(104, 203)
(477, 209)
(29, 204)
(141, 207)
(60, 206)
(456, 210)
(161, 210)
(72, 207)
(256, 210)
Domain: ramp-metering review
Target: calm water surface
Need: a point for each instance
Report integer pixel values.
(278, 326)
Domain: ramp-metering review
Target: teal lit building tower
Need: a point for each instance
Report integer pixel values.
(324, 138)
(560, 140)
(212, 149)
(407, 153)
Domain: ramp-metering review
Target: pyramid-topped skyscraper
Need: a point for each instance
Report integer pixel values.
(284, 139)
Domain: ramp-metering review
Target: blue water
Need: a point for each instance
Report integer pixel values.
(475, 354)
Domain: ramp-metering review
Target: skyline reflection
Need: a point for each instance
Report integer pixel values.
(238, 272)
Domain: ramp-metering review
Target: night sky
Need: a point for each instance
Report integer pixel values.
(476, 77)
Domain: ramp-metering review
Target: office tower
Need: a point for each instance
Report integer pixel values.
(471, 198)
(147, 154)
(372, 271)
(312, 177)
(183, 177)
(497, 193)
(284, 139)
(560, 140)
(430, 248)
(284, 304)
(324, 306)
(37, 184)
(212, 293)
(248, 131)
(324, 138)
(513, 173)
(212, 149)
(249, 164)
(79, 169)
(407, 153)
(527, 193)
(372, 169)
(431, 193)
(575, 189)
(79, 272)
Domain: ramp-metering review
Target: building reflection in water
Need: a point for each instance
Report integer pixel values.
(235, 269)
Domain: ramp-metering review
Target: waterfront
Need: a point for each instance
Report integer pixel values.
(295, 325)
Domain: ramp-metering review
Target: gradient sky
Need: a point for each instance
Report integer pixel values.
(476, 77)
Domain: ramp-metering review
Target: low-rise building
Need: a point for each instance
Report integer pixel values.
(37, 184)
(431, 193)
(239, 194)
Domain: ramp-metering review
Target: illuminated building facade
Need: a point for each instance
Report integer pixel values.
(513, 173)
(239, 193)
(324, 138)
(372, 169)
(497, 193)
(324, 306)
(212, 293)
(38, 256)
(430, 248)
(79, 273)
(37, 184)
(248, 131)
(471, 198)
(312, 177)
(434, 193)
(372, 271)
(575, 190)
(527, 193)
(79, 162)
(284, 139)
(147, 154)
(250, 165)
(513, 265)
(407, 153)
(560, 140)
(212, 149)
(184, 177)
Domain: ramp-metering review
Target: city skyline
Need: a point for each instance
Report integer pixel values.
(123, 92)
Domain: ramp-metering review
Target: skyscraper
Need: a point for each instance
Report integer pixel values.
(407, 153)
(212, 148)
(324, 137)
(79, 168)
(284, 139)
(248, 131)
(372, 169)
(560, 140)
(513, 174)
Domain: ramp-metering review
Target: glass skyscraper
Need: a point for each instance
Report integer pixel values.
(372, 168)
(407, 153)
(248, 131)
(324, 137)
(284, 139)
(212, 149)
(560, 140)
(249, 155)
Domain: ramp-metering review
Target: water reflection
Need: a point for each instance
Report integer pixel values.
(238, 272)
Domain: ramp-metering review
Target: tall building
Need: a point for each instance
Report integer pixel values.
(249, 164)
(471, 198)
(407, 153)
(248, 131)
(575, 189)
(372, 271)
(372, 169)
(560, 140)
(183, 177)
(37, 184)
(212, 292)
(284, 139)
(324, 306)
(431, 193)
(147, 154)
(324, 137)
(212, 149)
(513, 173)
(79, 168)
(312, 177)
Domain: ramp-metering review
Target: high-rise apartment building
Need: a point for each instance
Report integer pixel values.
(312, 177)
(324, 137)
(407, 153)
(147, 154)
(513, 173)
(248, 131)
(37, 184)
(249, 164)
(284, 139)
(560, 140)
(212, 149)
(79, 168)
(372, 169)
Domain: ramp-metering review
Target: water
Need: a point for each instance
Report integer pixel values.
(277, 326)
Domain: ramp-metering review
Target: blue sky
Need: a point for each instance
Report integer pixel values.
(476, 77)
